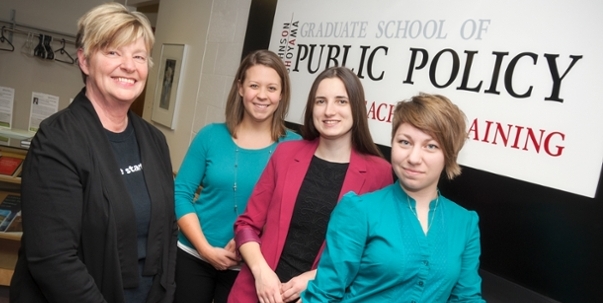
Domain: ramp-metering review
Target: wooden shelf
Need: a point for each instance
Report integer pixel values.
(12, 236)
(9, 250)
(10, 241)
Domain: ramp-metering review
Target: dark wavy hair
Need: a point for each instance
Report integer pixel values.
(362, 141)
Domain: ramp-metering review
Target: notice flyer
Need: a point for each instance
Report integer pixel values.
(7, 99)
(42, 106)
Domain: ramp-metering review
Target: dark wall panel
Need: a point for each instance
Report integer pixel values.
(547, 240)
(259, 25)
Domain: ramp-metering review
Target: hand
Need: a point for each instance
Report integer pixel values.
(232, 247)
(292, 289)
(268, 286)
(220, 258)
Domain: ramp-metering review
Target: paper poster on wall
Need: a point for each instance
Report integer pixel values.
(529, 88)
(7, 99)
(42, 106)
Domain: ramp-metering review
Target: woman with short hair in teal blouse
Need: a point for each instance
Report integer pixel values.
(406, 242)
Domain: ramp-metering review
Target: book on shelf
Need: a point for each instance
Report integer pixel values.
(16, 225)
(8, 165)
(10, 214)
(4, 213)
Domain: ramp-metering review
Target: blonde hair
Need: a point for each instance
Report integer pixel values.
(234, 104)
(438, 117)
(111, 25)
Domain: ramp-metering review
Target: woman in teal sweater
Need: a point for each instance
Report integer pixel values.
(406, 242)
(226, 160)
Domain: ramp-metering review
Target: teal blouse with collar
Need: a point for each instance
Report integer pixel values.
(376, 251)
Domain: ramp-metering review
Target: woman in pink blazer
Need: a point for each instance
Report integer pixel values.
(281, 233)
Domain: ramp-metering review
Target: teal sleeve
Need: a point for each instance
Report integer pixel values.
(290, 135)
(468, 287)
(191, 172)
(347, 233)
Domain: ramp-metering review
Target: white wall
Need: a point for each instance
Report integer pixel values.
(27, 73)
(213, 30)
(214, 33)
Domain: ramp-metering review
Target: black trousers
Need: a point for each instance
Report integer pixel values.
(199, 282)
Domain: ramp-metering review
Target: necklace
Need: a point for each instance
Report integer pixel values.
(432, 213)
(234, 185)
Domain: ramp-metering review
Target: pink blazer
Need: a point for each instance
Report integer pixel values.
(270, 208)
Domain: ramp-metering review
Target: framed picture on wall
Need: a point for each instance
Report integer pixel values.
(166, 101)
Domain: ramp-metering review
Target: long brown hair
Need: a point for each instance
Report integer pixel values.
(362, 141)
(234, 104)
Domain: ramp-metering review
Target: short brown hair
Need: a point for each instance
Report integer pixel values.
(234, 104)
(438, 117)
(112, 25)
(362, 141)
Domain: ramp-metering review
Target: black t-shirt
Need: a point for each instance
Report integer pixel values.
(125, 147)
